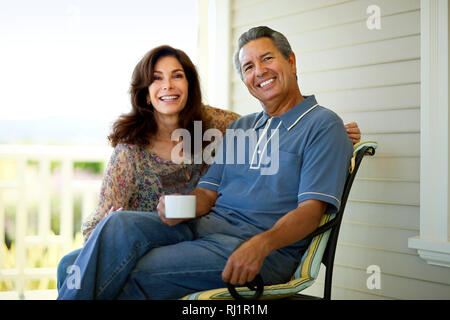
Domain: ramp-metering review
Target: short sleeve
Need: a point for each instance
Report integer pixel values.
(325, 166)
(213, 177)
(118, 184)
(218, 119)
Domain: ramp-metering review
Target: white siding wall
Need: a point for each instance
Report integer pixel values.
(372, 77)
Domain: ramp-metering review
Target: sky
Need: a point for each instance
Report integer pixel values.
(65, 66)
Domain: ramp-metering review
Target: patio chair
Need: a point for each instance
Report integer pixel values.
(321, 249)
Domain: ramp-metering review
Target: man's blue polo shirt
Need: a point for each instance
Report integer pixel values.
(265, 179)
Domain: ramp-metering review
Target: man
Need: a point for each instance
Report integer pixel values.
(248, 222)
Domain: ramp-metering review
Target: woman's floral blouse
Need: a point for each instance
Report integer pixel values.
(135, 177)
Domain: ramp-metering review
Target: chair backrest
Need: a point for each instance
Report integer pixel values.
(360, 150)
(329, 254)
(323, 243)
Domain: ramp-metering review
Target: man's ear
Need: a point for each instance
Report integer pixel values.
(292, 62)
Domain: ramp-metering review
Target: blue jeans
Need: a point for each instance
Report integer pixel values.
(64, 265)
(133, 255)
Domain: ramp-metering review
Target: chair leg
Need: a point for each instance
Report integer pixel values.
(330, 265)
(328, 282)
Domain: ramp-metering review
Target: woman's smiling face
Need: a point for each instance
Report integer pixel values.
(168, 92)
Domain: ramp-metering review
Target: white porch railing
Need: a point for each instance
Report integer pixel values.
(40, 187)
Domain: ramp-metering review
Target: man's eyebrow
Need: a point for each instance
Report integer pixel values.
(261, 57)
(265, 54)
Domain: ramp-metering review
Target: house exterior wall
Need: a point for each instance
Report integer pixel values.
(368, 71)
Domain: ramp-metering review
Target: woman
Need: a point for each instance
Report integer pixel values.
(165, 95)
(164, 82)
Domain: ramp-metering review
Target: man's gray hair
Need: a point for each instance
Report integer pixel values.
(280, 41)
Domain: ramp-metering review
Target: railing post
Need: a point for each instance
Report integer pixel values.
(44, 205)
(88, 203)
(67, 205)
(21, 226)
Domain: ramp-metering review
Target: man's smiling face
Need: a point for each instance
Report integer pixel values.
(268, 75)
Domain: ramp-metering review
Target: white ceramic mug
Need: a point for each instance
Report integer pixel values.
(180, 206)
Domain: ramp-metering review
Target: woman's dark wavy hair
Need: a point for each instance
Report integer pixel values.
(139, 126)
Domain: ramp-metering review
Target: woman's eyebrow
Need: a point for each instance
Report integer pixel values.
(173, 71)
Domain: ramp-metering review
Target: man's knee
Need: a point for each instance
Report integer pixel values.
(63, 266)
(120, 218)
(142, 285)
(122, 221)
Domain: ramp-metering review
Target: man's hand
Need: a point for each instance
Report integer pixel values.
(245, 262)
(353, 132)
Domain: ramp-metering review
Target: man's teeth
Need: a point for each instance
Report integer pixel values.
(166, 98)
(265, 83)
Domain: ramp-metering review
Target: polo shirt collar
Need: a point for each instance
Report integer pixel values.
(290, 118)
(261, 120)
